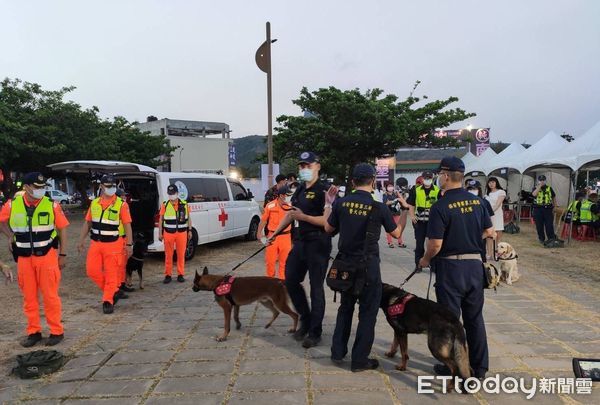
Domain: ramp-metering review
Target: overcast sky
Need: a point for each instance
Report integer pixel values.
(525, 67)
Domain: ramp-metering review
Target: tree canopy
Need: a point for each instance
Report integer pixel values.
(348, 127)
(39, 127)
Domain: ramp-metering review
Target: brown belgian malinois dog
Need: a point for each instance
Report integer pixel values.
(445, 334)
(231, 293)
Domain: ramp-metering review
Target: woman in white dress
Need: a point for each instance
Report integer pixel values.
(496, 195)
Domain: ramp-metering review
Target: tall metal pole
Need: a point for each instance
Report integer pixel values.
(269, 109)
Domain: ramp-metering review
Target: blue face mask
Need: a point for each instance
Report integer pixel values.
(306, 174)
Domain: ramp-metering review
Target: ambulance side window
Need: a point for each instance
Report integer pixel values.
(205, 190)
(238, 192)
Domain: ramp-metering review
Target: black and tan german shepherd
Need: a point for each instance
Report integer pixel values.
(269, 291)
(445, 334)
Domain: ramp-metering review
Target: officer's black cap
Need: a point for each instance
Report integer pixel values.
(35, 178)
(427, 174)
(363, 171)
(542, 177)
(473, 184)
(172, 189)
(308, 157)
(108, 180)
(452, 164)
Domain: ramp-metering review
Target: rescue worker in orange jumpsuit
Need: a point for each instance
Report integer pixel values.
(36, 231)
(279, 250)
(107, 220)
(175, 230)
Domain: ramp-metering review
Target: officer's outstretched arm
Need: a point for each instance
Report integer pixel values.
(396, 232)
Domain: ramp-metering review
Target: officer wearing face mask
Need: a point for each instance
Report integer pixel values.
(279, 249)
(36, 231)
(310, 249)
(420, 199)
(175, 230)
(107, 221)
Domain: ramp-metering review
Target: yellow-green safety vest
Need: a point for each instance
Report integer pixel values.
(544, 196)
(106, 224)
(585, 212)
(35, 234)
(175, 221)
(424, 202)
(572, 208)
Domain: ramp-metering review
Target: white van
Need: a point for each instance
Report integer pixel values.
(220, 207)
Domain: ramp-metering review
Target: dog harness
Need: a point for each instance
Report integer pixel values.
(509, 258)
(397, 308)
(223, 289)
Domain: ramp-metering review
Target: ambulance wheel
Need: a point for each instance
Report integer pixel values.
(252, 230)
(190, 249)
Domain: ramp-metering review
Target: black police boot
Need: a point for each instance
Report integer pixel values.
(311, 341)
(441, 369)
(107, 307)
(119, 295)
(371, 364)
(167, 280)
(32, 339)
(180, 278)
(301, 332)
(55, 339)
(126, 288)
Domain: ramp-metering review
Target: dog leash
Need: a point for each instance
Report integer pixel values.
(254, 254)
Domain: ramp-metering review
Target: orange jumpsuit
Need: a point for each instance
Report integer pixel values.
(105, 259)
(281, 246)
(174, 241)
(40, 274)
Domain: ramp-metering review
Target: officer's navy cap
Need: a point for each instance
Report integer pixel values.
(363, 170)
(427, 174)
(35, 178)
(473, 184)
(172, 189)
(542, 177)
(108, 179)
(452, 164)
(308, 157)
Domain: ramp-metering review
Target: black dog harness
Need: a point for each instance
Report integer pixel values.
(509, 258)
(223, 289)
(397, 308)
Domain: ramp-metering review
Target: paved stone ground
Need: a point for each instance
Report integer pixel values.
(159, 347)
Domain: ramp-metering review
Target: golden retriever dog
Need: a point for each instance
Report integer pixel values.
(507, 257)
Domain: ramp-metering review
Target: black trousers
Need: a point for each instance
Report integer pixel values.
(420, 236)
(544, 221)
(312, 257)
(459, 287)
(369, 302)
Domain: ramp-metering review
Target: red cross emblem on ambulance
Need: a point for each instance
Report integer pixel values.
(223, 217)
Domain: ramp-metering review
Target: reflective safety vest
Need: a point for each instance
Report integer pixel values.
(544, 197)
(34, 232)
(106, 224)
(585, 212)
(572, 211)
(424, 202)
(175, 221)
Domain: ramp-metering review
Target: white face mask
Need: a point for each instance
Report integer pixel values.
(288, 199)
(390, 189)
(110, 191)
(306, 175)
(474, 192)
(292, 190)
(38, 193)
(427, 182)
(173, 197)
(341, 194)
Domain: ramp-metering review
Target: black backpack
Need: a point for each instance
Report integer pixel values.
(38, 363)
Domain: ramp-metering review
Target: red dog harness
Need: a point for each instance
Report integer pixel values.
(224, 288)
(397, 309)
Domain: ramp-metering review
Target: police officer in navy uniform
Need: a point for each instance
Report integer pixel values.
(543, 209)
(457, 224)
(350, 216)
(311, 248)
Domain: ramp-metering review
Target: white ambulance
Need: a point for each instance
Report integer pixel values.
(220, 207)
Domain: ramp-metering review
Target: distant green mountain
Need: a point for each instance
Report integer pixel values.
(249, 149)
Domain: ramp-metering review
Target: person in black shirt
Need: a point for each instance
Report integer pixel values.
(457, 224)
(311, 247)
(271, 193)
(350, 216)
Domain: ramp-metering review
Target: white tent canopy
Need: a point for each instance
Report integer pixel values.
(499, 161)
(572, 153)
(480, 162)
(469, 158)
(589, 142)
(537, 154)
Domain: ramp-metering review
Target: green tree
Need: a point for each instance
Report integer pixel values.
(39, 127)
(348, 127)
